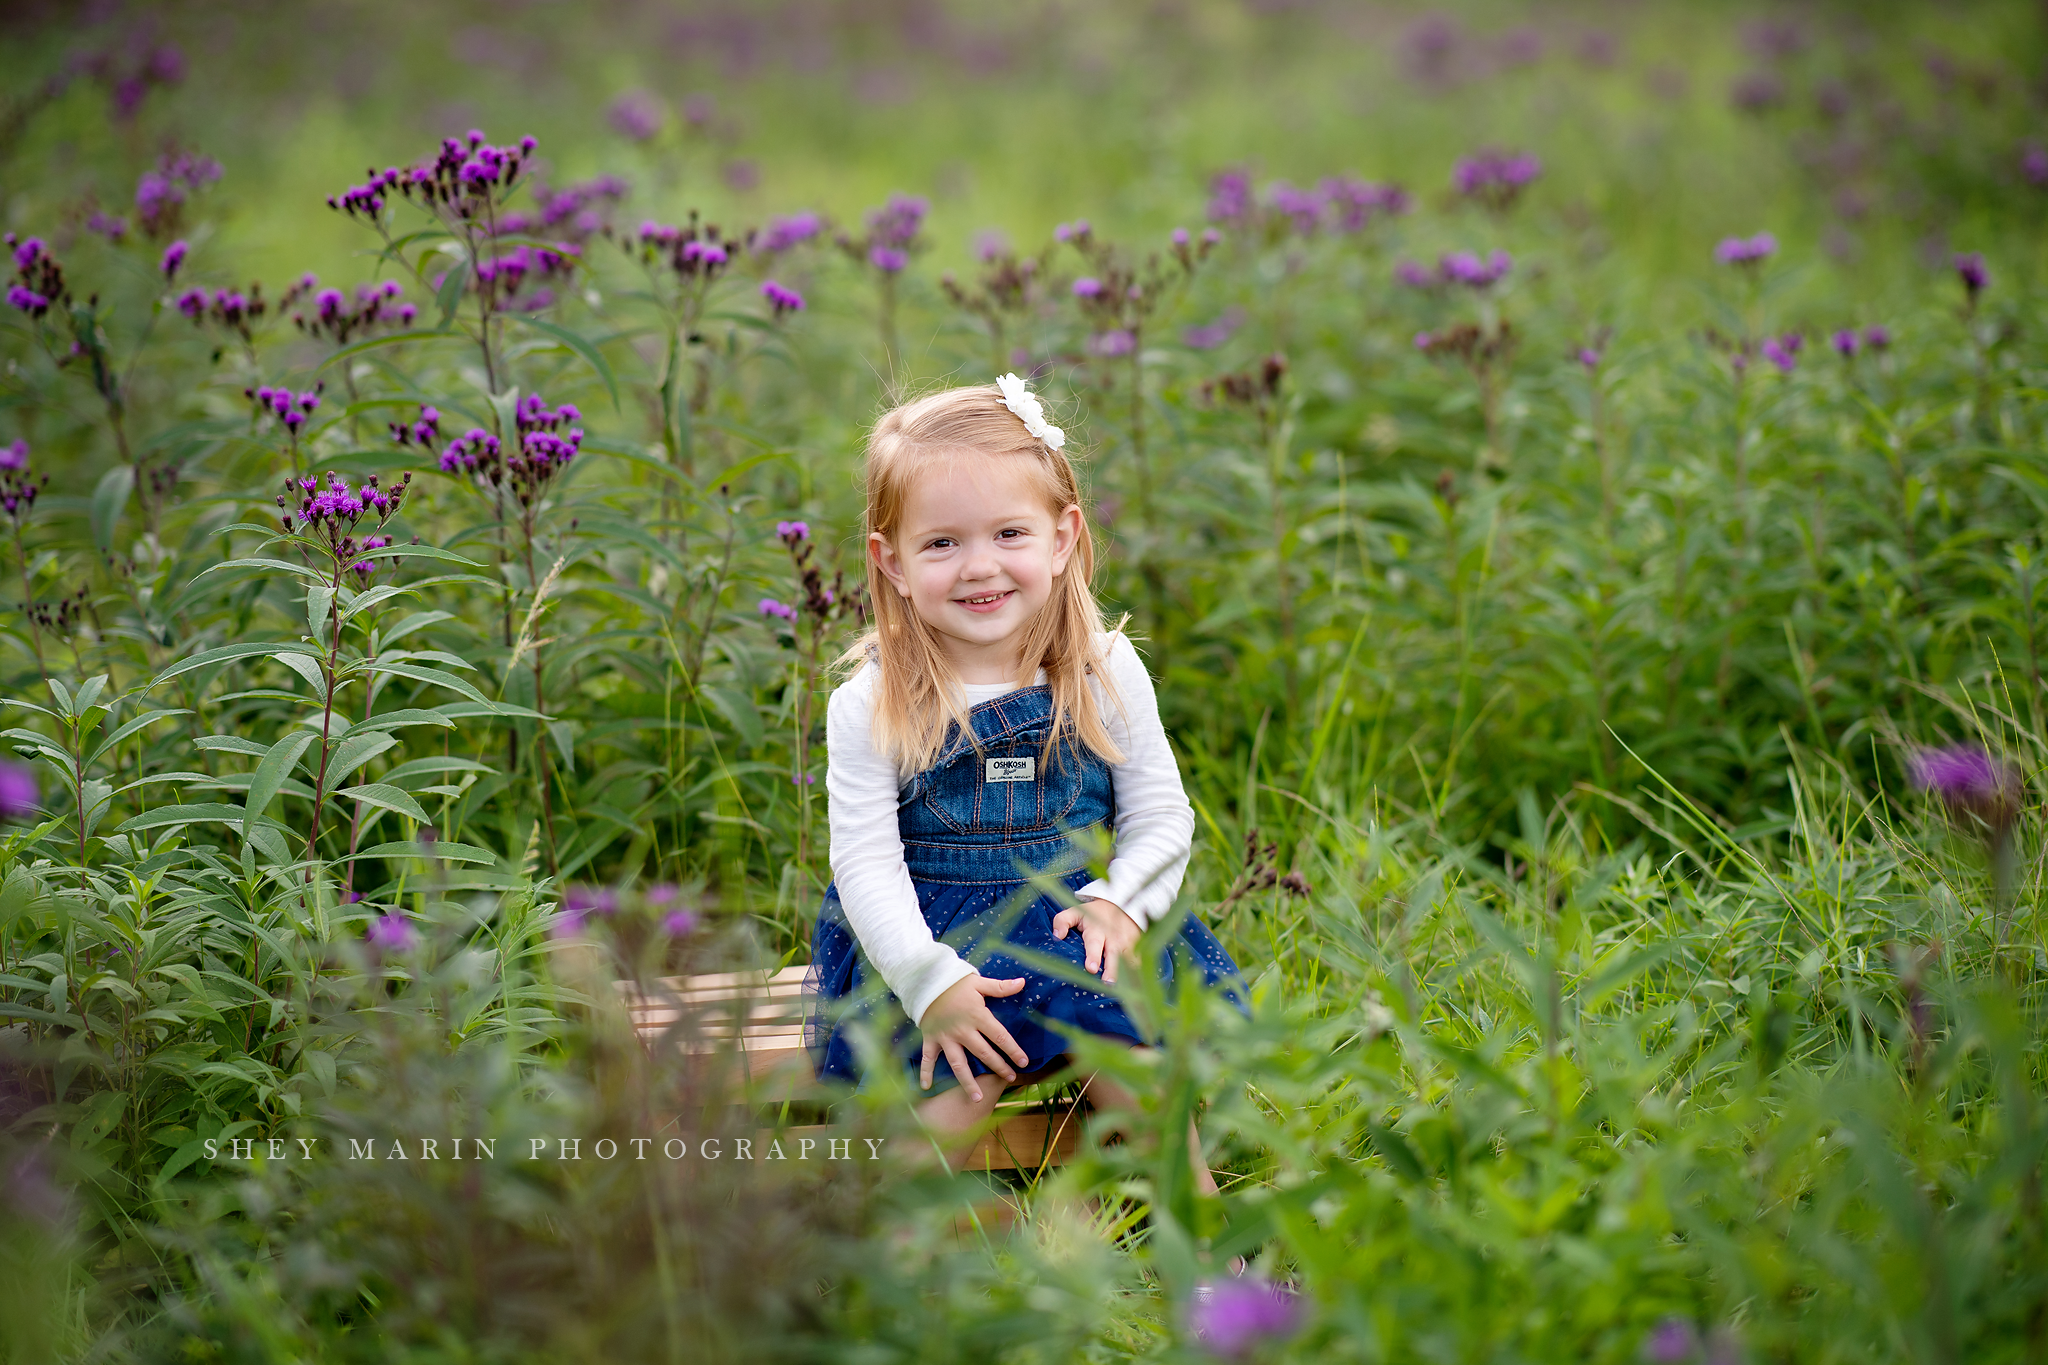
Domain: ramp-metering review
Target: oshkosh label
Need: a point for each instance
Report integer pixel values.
(1012, 770)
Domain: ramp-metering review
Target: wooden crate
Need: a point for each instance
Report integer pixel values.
(769, 1033)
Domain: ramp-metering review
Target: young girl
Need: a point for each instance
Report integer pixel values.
(991, 718)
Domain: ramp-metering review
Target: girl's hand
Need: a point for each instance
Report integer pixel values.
(958, 1023)
(1106, 930)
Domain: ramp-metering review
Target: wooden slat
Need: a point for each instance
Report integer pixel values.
(1025, 1142)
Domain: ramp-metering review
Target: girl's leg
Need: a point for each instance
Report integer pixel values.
(1109, 1094)
(953, 1116)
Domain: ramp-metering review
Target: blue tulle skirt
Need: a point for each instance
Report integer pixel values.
(969, 917)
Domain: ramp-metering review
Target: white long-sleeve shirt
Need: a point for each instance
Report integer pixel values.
(1154, 826)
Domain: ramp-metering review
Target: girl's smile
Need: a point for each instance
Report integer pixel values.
(976, 553)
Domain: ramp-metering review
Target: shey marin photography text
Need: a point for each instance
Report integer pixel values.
(788, 1147)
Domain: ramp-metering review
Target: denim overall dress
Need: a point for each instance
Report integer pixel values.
(968, 822)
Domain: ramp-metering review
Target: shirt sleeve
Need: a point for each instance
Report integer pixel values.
(1155, 825)
(874, 885)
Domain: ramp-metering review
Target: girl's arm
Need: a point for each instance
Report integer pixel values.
(867, 856)
(1155, 825)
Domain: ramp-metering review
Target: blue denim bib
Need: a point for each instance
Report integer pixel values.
(993, 810)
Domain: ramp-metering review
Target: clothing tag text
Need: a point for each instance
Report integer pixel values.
(1012, 770)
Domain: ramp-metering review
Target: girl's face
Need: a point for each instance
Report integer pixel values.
(976, 554)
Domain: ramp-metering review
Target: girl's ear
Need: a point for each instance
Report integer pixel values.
(1067, 531)
(884, 556)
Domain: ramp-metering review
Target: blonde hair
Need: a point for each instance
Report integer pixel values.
(918, 695)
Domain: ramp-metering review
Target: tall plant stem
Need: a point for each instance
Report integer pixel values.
(329, 667)
(35, 631)
(543, 768)
(1276, 434)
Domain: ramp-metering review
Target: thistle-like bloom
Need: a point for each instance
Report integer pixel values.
(781, 299)
(637, 114)
(1589, 357)
(174, 256)
(1466, 268)
(1117, 341)
(1671, 1341)
(2034, 164)
(1746, 251)
(392, 933)
(1846, 343)
(784, 234)
(18, 793)
(14, 456)
(591, 900)
(1355, 203)
(422, 433)
(1234, 1316)
(1209, 336)
(792, 532)
(888, 259)
(1877, 337)
(898, 222)
(1971, 271)
(1303, 209)
(1783, 351)
(1087, 287)
(677, 923)
(777, 610)
(1971, 784)
(1495, 178)
(1230, 197)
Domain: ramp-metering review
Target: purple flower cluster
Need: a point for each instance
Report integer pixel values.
(2034, 164)
(1341, 203)
(792, 533)
(1352, 204)
(782, 299)
(513, 268)
(1783, 351)
(160, 194)
(365, 569)
(338, 318)
(575, 212)
(1117, 341)
(476, 451)
(1748, 252)
(38, 278)
(775, 610)
(1847, 342)
(422, 433)
(637, 114)
(173, 257)
(1230, 197)
(893, 235)
(291, 409)
(18, 487)
(1231, 1317)
(788, 233)
(1495, 178)
(107, 226)
(1466, 268)
(1208, 336)
(697, 253)
(331, 512)
(464, 182)
(548, 440)
(229, 308)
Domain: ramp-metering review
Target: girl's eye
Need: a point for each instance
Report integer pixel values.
(1008, 532)
(941, 543)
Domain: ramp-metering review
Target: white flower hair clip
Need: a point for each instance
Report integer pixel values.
(1030, 411)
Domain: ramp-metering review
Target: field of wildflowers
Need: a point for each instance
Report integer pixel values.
(1578, 477)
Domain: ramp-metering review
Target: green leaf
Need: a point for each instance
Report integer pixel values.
(359, 748)
(414, 622)
(89, 693)
(454, 853)
(419, 552)
(319, 607)
(581, 346)
(142, 721)
(307, 667)
(271, 565)
(227, 654)
(109, 496)
(389, 797)
(436, 676)
(233, 744)
(399, 720)
(275, 767)
(376, 596)
(196, 813)
(436, 763)
(450, 296)
(443, 332)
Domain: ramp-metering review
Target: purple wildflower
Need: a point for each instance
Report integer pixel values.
(591, 900)
(1087, 287)
(1746, 251)
(781, 298)
(1466, 268)
(779, 610)
(679, 923)
(2034, 164)
(1078, 230)
(898, 222)
(1589, 357)
(790, 533)
(1303, 209)
(18, 793)
(1846, 343)
(794, 230)
(28, 253)
(1969, 782)
(107, 226)
(1230, 197)
(637, 114)
(887, 259)
(392, 933)
(14, 456)
(990, 243)
(1118, 341)
(1782, 351)
(1354, 203)
(661, 893)
(1233, 1316)
(1673, 1340)
(1211, 335)
(1877, 336)
(1970, 270)
(1494, 177)
(174, 256)
(1415, 275)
